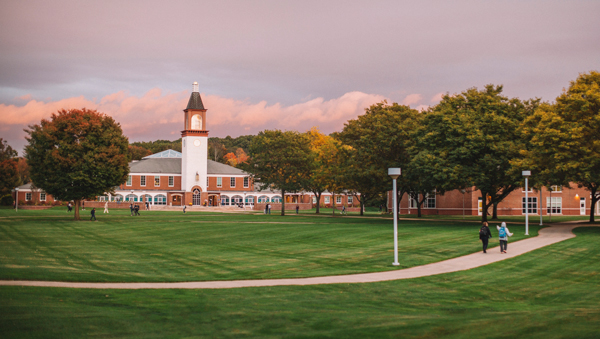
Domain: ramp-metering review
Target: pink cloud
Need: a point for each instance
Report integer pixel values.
(412, 99)
(158, 115)
(437, 97)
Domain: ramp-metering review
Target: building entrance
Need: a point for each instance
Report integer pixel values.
(196, 198)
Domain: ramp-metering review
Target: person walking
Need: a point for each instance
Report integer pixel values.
(344, 209)
(297, 209)
(269, 208)
(147, 206)
(503, 234)
(131, 208)
(484, 235)
(83, 205)
(106, 207)
(136, 209)
(184, 206)
(69, 207)
(93, 214)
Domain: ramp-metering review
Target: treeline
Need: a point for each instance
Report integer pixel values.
(477, 139)
(226, 150)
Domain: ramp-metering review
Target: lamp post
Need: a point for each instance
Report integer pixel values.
(16, 199)
(395, 173)
(463, 191)
(526, 174)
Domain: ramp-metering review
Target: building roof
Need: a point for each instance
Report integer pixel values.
(195, 101)
(165, 154)
(169, 161)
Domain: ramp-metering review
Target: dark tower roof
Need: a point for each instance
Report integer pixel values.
(195, 100)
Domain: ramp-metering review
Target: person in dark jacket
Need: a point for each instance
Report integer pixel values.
(93, 214)
(485, 234)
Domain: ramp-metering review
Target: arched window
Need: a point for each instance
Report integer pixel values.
(236, 199)
(196, 197)
(149, 199)
(196, 121)
(249, 200)
(276, 198)
(224, 200)
(131, 198)
(263, 198)
(160, 199)
(117, 197)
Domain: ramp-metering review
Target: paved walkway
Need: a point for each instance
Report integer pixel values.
(547, 236)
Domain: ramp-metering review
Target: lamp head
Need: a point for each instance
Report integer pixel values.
(394, 172)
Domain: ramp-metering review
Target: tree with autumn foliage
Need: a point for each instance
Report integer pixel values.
(326, 172)
(9, 174)
(77, 154)
(565, 138)
(138, 152)
(280, 160)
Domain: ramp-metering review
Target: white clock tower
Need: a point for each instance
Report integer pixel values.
(194, 149)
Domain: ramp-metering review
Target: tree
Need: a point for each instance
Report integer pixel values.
(474, 139)
(9, 175)
(326, 172)
(138, 152)
(280, 160)
(77, 154)
(230, 159)
(377, 140)
(564, 137)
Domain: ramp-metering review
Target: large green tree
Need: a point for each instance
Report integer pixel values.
(9, 174)
(77, 154)
(565, 138)
(473, 138)
(377, 140)
(280, 160)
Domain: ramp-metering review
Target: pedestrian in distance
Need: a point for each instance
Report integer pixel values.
(484, 235)
(136, 209)
(297, 209)
(83, 205)
(269, 208)
(266, 208)
(184, 207)
(147, 206)
(69, 207)
(131, 208)
(503, 234)
(106, 207)
(93, 214)
(344, 210)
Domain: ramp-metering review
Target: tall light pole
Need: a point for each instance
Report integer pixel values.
(395, 173)
(526, 174)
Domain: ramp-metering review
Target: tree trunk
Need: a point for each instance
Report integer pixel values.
(362, 205)
(484, 207)
(398, 199)
(318, 201)
(595, 198)
(76, 207)
(333, 202)
(495, 211)
(282, 202)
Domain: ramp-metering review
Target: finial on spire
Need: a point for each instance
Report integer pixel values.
(195, 87)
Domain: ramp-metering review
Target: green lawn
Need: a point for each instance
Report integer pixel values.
(548, 293)
(171, 246)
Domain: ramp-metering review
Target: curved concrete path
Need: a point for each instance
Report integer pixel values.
(547, 236)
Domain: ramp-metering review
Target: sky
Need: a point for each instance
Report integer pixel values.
(287, 65)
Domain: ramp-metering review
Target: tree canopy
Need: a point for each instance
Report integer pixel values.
(565, 138)
(280, 160)
(9, 174)
(77, 154)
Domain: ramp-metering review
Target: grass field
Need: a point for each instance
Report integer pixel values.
(548, 293)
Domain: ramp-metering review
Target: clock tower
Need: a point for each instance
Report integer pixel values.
(194, 149)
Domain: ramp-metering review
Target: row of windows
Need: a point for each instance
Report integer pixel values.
(42, 196)
(172, 181)
(156, 181)
(338, 199)
(553, 205)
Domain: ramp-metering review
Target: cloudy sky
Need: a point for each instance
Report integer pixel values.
(278, 64)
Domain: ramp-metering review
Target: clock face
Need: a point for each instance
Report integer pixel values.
(196, 142)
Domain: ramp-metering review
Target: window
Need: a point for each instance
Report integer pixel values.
(429, 200)
(156, 181)
(412, 202)
(160, 199)
(350, 200)
(43, 196)
(28, 196)
(531, 205)
(249, 200)
(128, 180)
(196, 197)
(231, 182)
(219, 182)
(171, 181)
(131, 198)
(314, 200)
(236, 199)
(117, 197)
(224, 200)
(206, 181)
(263, 198)
(148, 198)
(276, 198)
(338, 199)
(103, 198)
(556, 188)
(143, 180)
(246, 182)
(327, 199)
(554, 205)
